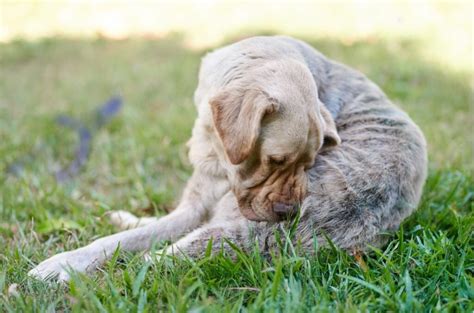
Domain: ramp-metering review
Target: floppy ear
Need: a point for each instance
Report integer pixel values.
(237, 116)
(331, 137)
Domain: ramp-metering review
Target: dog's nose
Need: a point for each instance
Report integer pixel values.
(284, 210)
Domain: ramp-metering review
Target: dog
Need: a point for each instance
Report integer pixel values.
(281, 131)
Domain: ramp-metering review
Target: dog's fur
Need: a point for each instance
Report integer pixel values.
(279, 124)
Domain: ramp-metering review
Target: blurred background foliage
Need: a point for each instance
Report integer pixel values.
(67, 57)
(443, 28)
(420, 52)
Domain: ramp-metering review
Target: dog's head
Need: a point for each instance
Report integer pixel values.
(271, 125)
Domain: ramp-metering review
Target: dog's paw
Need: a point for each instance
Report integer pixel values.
(60, 266)
(123, 219)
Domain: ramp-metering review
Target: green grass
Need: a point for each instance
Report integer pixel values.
(139, 161)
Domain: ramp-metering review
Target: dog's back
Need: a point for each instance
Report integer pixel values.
(373, 180)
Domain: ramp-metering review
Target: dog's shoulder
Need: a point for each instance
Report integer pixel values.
(203, 147)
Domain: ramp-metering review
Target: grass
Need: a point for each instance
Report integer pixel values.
(138, 163)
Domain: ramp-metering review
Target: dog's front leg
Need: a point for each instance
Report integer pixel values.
(226, 223)
(88, 258)
(189, 214)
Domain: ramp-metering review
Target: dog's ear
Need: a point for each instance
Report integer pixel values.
(237, 116)
(331, 136)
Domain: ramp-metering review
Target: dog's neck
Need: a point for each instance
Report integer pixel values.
(338, 85)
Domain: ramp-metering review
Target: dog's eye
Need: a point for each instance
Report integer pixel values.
(277, 160)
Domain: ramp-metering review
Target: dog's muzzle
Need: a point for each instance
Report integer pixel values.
(284, 211)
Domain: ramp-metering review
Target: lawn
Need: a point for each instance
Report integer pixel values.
(138, 163)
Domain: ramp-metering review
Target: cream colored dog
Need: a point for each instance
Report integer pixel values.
(267, 141)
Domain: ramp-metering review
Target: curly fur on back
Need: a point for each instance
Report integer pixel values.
(366, 186)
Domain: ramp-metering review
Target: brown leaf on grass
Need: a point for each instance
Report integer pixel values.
(358, 256)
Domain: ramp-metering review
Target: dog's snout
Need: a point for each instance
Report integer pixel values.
(284, 210)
